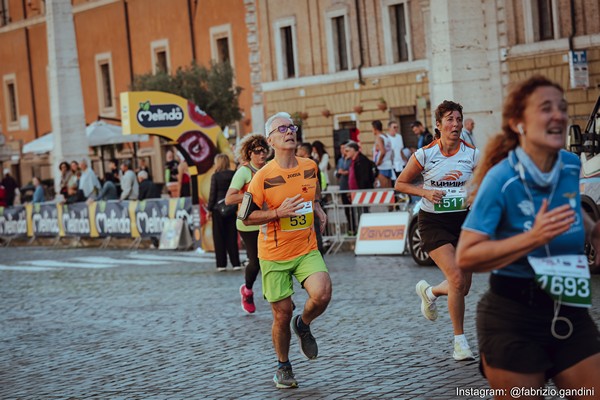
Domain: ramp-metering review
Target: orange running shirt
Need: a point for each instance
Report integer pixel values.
(286, 238)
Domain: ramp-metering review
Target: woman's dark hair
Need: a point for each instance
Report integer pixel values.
(377, 125)
(445, 107)
(66, 164)
(514, 106)
(320, 147)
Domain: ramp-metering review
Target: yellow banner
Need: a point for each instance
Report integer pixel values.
(197, 135)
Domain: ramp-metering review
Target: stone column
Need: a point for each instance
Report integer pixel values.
(258, 107)
(465, 63)
(66, 98)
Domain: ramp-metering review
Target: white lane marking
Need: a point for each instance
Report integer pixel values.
(151, 257)
(123, 261)
(65, 264)
(25, 268)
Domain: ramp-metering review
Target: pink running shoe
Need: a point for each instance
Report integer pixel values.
(247, 299)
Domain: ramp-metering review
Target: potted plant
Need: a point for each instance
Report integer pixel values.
(304, 115)
(358, 109)
(382, 105)
(326, 113)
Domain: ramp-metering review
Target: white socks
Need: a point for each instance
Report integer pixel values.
(461, 339)
(430, 294)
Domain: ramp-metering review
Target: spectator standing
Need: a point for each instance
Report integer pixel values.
(144, 167)
(342, 171)
(129, 184)
(223, 226)
(2, 195)
(65, 176)
(38, 193)
(113, 172)
(425, 137)
(360, 174)
(171, 165)
(183, 177)
(88, 181)
(304, 151)
(321, 157)
(75, 173)
(395, 137)
(382, 155)
(10, 186)
(467, 132)
(147, 188)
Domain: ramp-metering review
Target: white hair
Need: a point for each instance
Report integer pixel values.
(280, 114)
(142, 174)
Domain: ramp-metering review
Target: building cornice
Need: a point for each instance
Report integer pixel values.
(549, 46)
(371, 72)
(40, 19)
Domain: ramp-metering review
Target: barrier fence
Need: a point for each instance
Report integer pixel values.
(345, 207)
(148, 218)
(102, 219)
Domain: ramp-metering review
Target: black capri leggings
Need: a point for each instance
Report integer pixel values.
(251, 242)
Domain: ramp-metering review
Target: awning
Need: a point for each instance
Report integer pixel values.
(99, 133)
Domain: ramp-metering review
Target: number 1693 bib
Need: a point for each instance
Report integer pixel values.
(565, 278)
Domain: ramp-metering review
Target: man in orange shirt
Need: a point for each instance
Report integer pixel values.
(282, 198)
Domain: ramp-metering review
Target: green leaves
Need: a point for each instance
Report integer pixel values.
(211, 88)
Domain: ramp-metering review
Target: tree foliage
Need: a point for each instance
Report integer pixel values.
(209, 88)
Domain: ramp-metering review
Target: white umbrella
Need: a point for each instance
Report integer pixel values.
(99, 133)
(40, 145)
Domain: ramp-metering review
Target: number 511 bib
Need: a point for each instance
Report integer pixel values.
(565, 278)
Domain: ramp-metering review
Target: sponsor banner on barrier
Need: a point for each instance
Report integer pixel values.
(382, 233)
(151, 217)
(75, 219)
(110, 218)
(44, 219)
(13, 221)
(99, 219)
(181, 208)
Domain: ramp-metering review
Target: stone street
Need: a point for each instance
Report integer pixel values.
(148, 324)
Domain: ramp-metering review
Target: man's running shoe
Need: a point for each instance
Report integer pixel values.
(308, 344)
(428, 307)
(247, 299)
(462, 351)
(284, 378)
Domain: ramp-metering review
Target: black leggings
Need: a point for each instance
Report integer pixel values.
(251, 242)
(225, 240)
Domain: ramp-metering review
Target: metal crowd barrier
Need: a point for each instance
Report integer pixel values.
(341, 204)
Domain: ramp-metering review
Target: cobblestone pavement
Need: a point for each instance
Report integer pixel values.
(119, 324)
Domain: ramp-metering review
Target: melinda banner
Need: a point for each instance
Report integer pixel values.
(99, 219)
(13, 221)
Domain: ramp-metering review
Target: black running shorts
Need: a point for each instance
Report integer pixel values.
(516, 336)
(439, 229)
